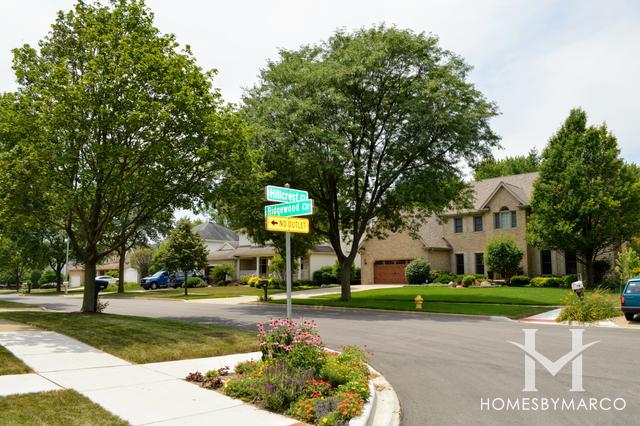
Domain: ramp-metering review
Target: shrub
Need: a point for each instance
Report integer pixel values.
(468, 280)
(546, 282)
(418, 271)
(596, 306)
(246, 367)
(519, 280)
(245, 388)
(503, 255)
(278, 283)
(567, 280)
(282, 384)
(34, 277)
(325, 275)
(113, 274)
(304, 283)
(194, 282)
(195, 377)
(253, 281)
(47, 276)
(627, 263)
(220, 272)
(336, 271)
(442, 277)
(244, 280)
(345, 367)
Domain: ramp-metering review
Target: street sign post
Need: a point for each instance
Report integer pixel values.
(291, 209)
(279, 194)
(298, 225)
(282, 217)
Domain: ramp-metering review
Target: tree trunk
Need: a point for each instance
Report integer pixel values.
(90, 297)
(122, 253)
(345, 279)
(59, 279)
(184, 283)
(588, 264)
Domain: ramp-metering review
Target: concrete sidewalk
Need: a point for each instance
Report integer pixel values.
(141, 394)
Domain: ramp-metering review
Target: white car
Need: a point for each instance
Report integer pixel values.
(108, 278)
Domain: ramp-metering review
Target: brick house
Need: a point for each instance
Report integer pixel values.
(455, 243)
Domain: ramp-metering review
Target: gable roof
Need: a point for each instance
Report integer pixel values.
(520, 186)
(213, 231)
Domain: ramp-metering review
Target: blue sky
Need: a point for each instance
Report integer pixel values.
(536, 59)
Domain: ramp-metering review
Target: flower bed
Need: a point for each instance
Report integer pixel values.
(297, 377)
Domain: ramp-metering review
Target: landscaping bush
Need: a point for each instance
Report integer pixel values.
(325, 275)
(546, 282)
(304, 283)
(519, 280)
(113, 274)
(195, 282)
(442, 277)
(47, 276)
(278, 283)
(627, 264)
(253, 281)
(468, 280)
(596, 306)
(220, 272)
(244, 280)
(567, 280)
(35, 276)
(418, 271)
(502, 255)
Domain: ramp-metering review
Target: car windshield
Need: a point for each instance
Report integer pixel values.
(157, 274)
(633, 288)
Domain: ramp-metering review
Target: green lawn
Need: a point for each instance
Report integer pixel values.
(10, 304)
(9, 364)
(58, 408)
(512, 302)
(201, 293)
(142, 340)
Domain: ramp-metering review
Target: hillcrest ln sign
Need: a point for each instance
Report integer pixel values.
(279, 194)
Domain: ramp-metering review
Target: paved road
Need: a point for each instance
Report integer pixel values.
(443, 366)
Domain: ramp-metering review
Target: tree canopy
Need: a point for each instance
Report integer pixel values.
(112, 125)
(586, 199)
(515, 165)
(375, 124)
(502, 255)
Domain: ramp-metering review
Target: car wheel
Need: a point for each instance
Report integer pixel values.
(154, 286)
(629, 316)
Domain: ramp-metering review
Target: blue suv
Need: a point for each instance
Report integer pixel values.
(630, 299)
(161, 279)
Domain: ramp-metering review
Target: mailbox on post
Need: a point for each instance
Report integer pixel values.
(578, 288)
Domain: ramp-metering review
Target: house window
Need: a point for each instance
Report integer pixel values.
(477, 223)
(457, 225)
(505, 219)
(480, 263)
(545, 261)
(459, 263)
(570, 264)
(264, 266)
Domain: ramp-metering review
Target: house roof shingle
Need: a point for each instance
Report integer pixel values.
(213, 231)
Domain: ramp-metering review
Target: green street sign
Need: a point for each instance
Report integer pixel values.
(296, 208)
(285, 195)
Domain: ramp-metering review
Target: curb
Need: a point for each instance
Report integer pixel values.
(386, 410)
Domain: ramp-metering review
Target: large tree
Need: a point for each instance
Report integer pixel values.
(586, 198)
(375, 124)
(117, 125)
(515, 165)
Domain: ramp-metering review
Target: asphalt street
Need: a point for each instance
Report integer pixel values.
(448, 370)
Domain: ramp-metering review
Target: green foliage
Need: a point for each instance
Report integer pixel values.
(47, 276)
(253, 281)
(184, 251)
(491, 168)
(503, 255)
(567, 280)
(304, 283)
(438, 277)
(547, 282)
(627, 264)
(278, 266)
(35, 279)
(596, 306)
(380, 118)
(519, 280)
(418, 271)
(325, 275)
(586, 198)
(113, 126)
(220, 272)
(113, 274)
(195, 282)
(468, 280)
(142, 259)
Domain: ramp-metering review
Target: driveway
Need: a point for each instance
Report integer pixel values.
(444, 367)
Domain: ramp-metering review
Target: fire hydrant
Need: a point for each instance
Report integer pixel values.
(418, 301)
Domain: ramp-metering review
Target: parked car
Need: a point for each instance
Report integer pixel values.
(48, 285)
(630, 299)
(108, 278)
(161, 279)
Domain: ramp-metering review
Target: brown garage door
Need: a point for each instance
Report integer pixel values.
(389, 272)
